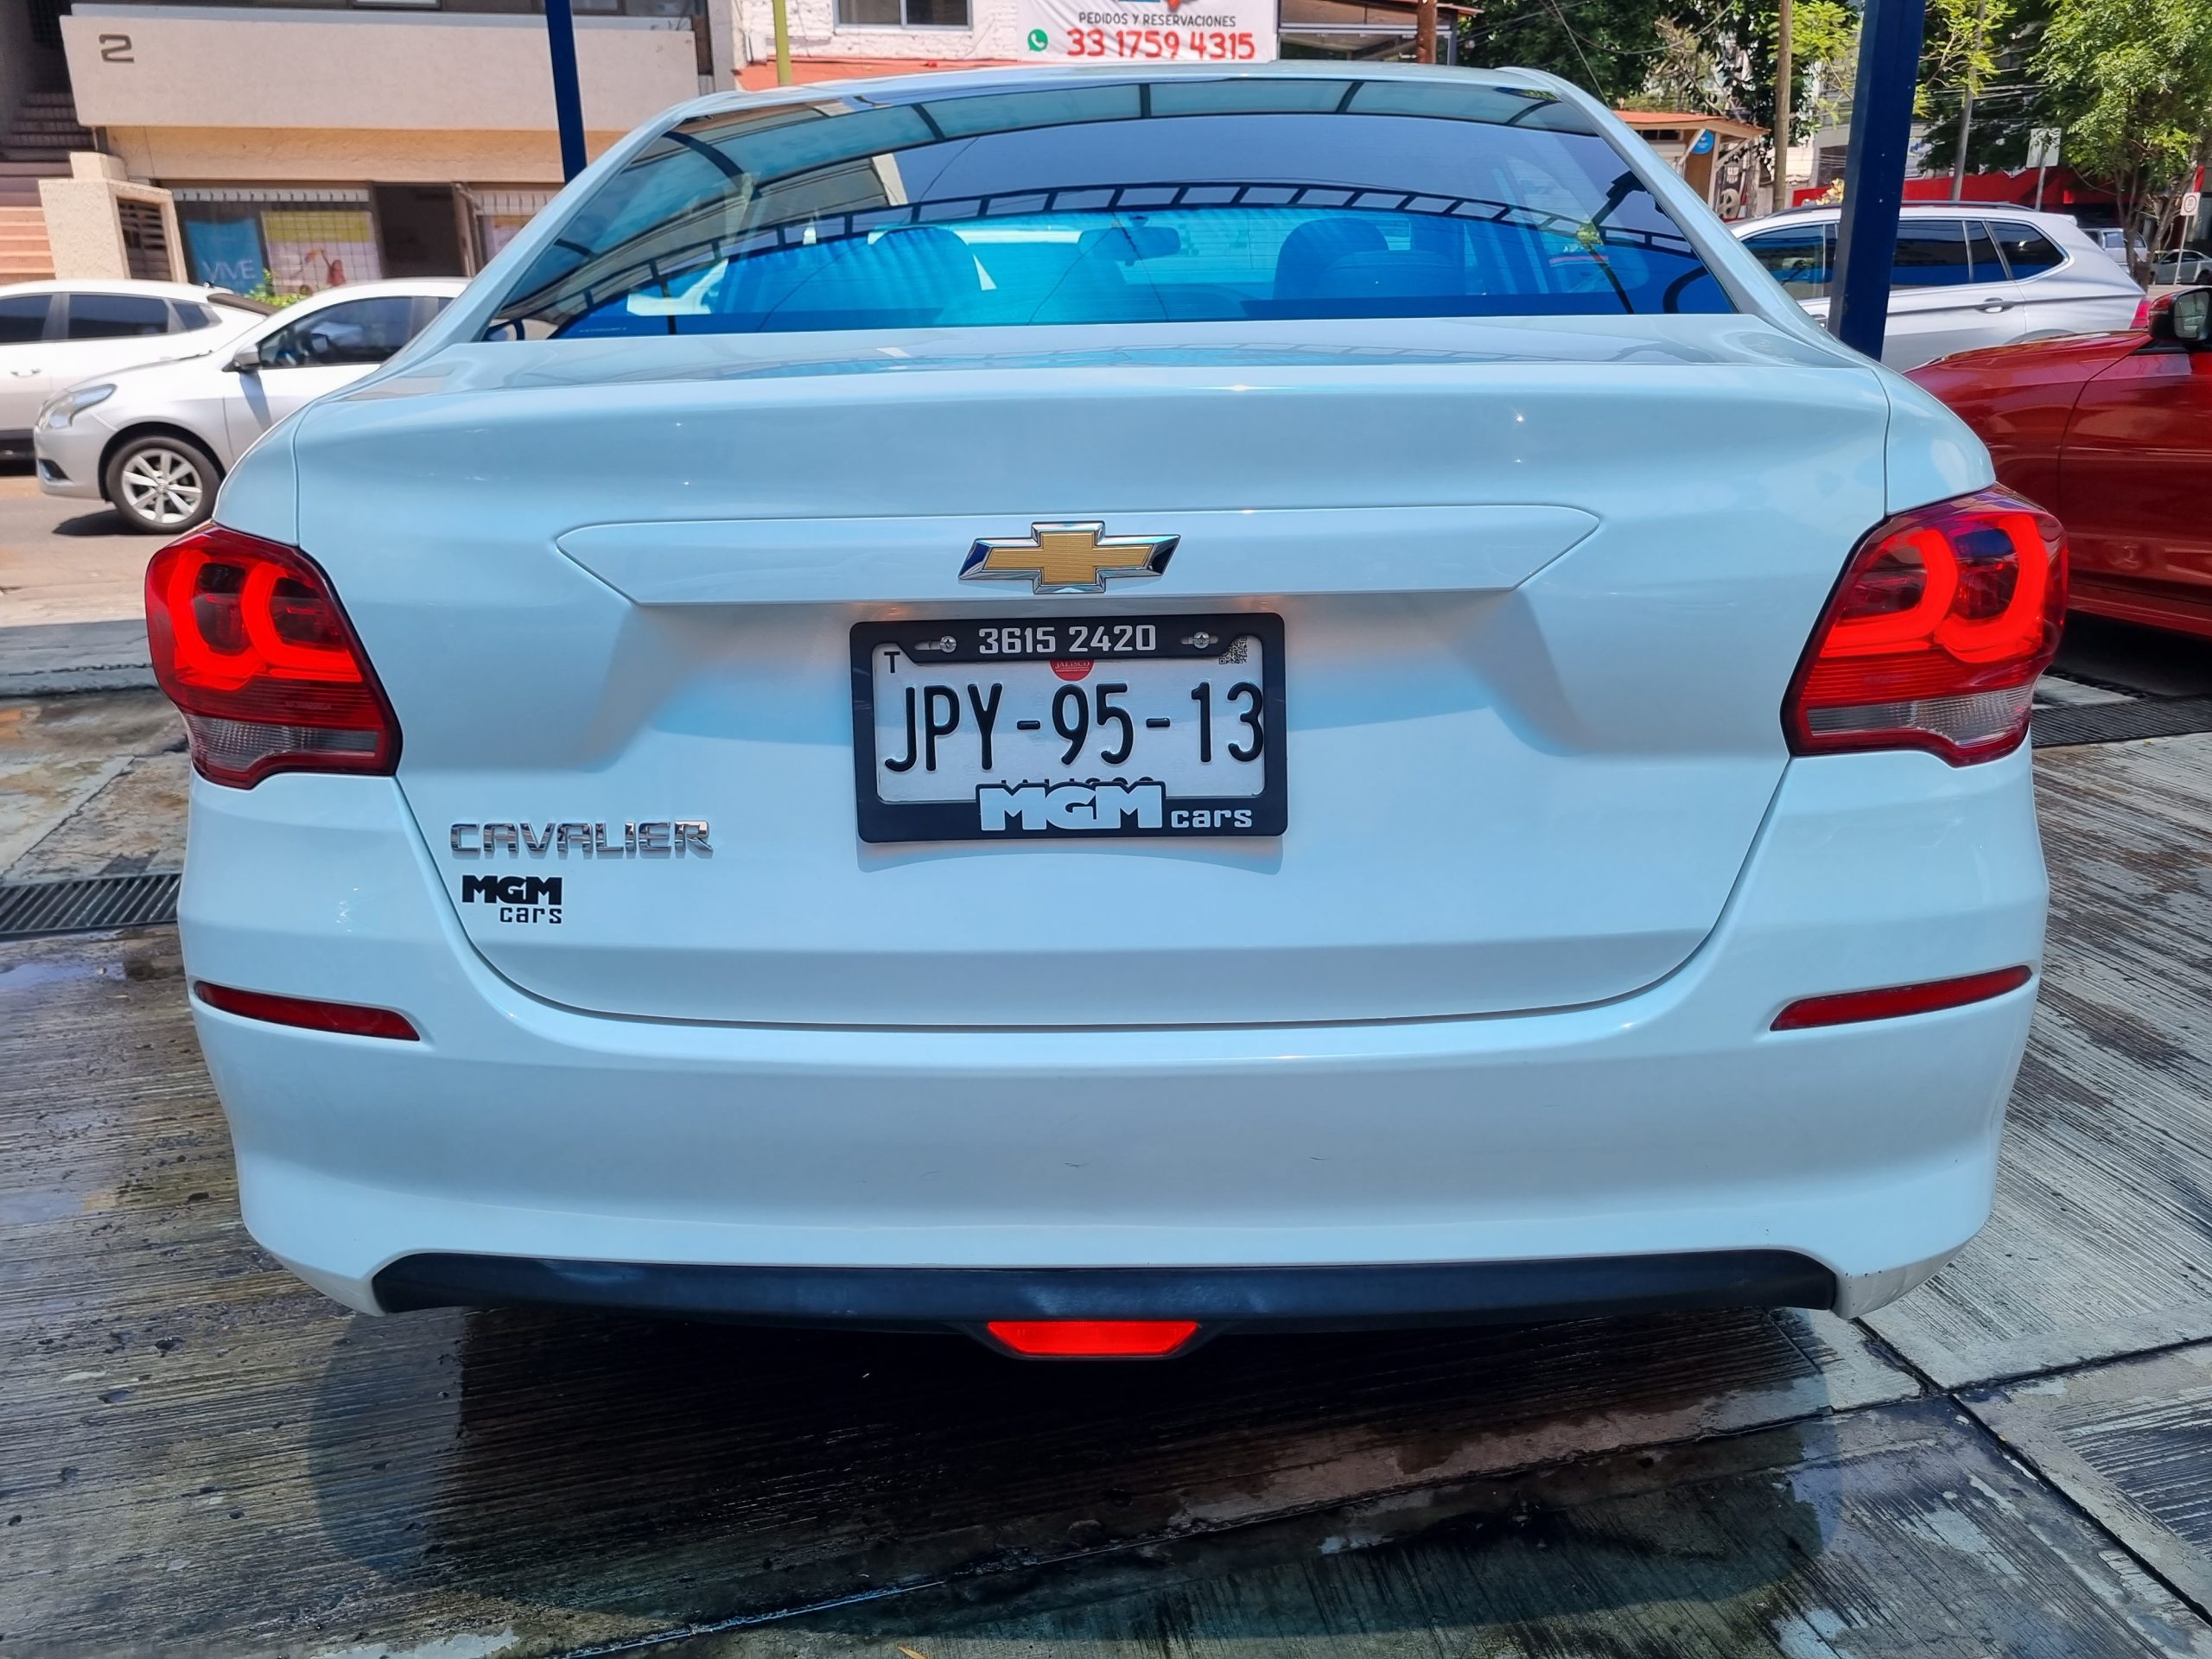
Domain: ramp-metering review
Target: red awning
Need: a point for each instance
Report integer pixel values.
(806, 72)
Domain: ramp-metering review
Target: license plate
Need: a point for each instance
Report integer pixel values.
(1069, 727)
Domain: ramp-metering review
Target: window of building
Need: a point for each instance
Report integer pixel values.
(523, 7)
(145, 240)
(22, 318)
(496, 214)
(117, 317)
(902, 13)
(1800, 257)
(2027, 250)
(300, 240)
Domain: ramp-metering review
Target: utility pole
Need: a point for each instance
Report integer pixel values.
(1424, 31)
(1784, 110)
(1966, 108)
(780, 14)
(1873, 171)
(568, 95)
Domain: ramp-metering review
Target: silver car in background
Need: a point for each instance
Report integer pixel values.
(1967, 274)
(56, 334)
(154, 441)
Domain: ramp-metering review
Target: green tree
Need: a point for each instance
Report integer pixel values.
(2009, 105)
(2133, 81)
(1710, 57)
(1720, 60)
(1604, 45)
(1960, 49)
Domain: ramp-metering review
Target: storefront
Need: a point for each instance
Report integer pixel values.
(300, 239)
(296, 241)
(306, 147)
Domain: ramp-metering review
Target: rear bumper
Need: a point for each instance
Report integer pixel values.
(1218, 1299)
(1567, 1161)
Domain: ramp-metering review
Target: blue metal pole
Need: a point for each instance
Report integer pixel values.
(567, 93)
(1873, 170)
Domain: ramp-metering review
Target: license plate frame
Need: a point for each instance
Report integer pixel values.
(882, 821)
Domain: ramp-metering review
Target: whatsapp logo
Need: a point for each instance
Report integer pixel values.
(1038, 39)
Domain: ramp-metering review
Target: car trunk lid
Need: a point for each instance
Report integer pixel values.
(1538, 614)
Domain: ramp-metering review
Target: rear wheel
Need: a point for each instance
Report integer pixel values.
(163, 483)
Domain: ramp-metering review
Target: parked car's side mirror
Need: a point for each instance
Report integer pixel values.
(244, 360)
(2184, 318)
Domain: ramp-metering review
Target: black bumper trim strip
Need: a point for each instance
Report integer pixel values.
(1309, 1298)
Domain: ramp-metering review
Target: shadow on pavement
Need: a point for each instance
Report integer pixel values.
(105, 522)
(673, 1474)
(2152, 662)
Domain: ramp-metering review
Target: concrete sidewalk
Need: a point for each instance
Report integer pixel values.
(204, 1456)
(72, 617)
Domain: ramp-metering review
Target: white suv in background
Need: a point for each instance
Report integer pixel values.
(55, 333)
(1967, 274)
(155, 441)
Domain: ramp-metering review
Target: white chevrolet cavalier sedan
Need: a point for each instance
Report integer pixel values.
(1099, 708)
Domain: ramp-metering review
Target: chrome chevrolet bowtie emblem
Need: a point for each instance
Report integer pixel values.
(1071, 558)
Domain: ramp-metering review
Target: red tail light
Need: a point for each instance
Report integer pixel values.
(348, 1018)
(2142, 317)
(1934, 637)
(250, 644)
(1893, 1001)
(1093, 1339)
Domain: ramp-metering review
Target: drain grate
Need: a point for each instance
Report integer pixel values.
(30, 909)
(2118, 722)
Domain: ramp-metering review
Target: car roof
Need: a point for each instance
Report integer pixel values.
(117, 285)
(1918, 210)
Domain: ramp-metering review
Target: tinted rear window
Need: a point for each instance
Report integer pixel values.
(2027, 250)
(1122, 201)
(1931, 253)
(116, 316)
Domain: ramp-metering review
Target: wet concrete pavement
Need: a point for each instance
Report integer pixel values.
(200, 1455)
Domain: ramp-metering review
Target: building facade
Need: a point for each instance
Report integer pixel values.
(308, 145)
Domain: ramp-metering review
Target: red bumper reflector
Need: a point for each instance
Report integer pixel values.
(1093, 1339)
(1892, 1000)
(346, 1019)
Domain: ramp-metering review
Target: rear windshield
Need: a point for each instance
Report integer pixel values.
(1192, 199)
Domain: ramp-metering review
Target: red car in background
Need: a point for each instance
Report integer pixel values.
(2113, 433)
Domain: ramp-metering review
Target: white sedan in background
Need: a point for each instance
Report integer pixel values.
(54, 334)
(1965, 275)
(1094, 707)
(155, 441)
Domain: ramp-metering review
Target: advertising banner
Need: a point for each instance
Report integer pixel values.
(1165, 31)
(316, 248)
(223, 252)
